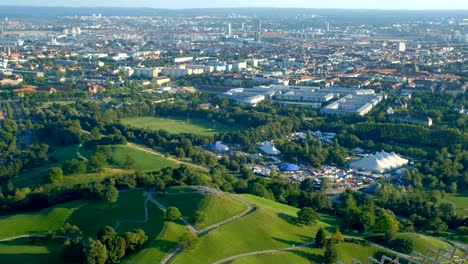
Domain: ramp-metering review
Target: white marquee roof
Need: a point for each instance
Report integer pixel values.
(269, 149)
(380, 162)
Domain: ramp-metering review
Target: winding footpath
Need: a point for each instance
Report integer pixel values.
(191, 228)
(262, 252)
(79, 154)
(135, 221)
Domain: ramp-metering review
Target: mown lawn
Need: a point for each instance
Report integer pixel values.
(178, 125)
(50, 219)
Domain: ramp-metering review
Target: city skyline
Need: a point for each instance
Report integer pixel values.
(182, 4)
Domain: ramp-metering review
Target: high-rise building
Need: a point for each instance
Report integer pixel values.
(327, 26)
(228, 30)
(401, 46)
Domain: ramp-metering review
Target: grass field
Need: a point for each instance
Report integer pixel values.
(97, 214)
(24, 251)
(461, 202)
(178, 125)
(41, 222)
(144, 161)
(160, 246)
(329, 220)
(261, 230)
(421, 242)
(298, 256)
(216, 207)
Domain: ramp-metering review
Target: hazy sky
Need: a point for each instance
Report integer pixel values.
(177, 4)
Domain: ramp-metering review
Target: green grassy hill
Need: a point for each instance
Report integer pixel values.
(31, 252)
(270, 226)
(216, 207)
(41, 222)
(178, 125)
(263, 229)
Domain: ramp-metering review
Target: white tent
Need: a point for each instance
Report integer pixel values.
(380, 162)
(269, 149)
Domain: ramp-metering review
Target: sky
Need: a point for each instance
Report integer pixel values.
(180, 4)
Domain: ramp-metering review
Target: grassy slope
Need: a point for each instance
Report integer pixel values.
(216, 207)
(177, 125)
(346, 252)
(41, 222)
(160, 246)
(97, 214)
(283, 208)
(421, 242)
(260, 230)
(297, 256)
(22, 251)
(144, 161)
(461, 202)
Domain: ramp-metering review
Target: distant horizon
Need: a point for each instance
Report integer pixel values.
(396, 5)
(234, 7)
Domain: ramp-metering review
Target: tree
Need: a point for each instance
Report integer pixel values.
(135, 239)
(337, 236)
(187, 241)
(97, 162)
(330, 255)
(320, 238)
(95, 134)
(390, 235)
(73, 166)
(307, 216)
(55, 175)
(199, 217)
(114, 244)
(402, 245)
(111, 194)
(386, 221)
(96, 252)
(172, 213)
(325, 184)
(129, 161)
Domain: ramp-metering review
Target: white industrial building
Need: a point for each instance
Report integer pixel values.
(381, 162)
(359, 104)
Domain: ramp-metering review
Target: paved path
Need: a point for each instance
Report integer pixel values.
(261, 252)
(191, 228)
(135, 221)
(79, 154)
(27, 236)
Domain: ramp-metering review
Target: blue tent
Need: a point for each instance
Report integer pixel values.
(290, 167)
(217, 146)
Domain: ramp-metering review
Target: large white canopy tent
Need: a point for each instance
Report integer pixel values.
(380, 162)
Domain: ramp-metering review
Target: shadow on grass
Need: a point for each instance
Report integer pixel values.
(288, 218)
(291, 243)
(313, 258)
(53, 247)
